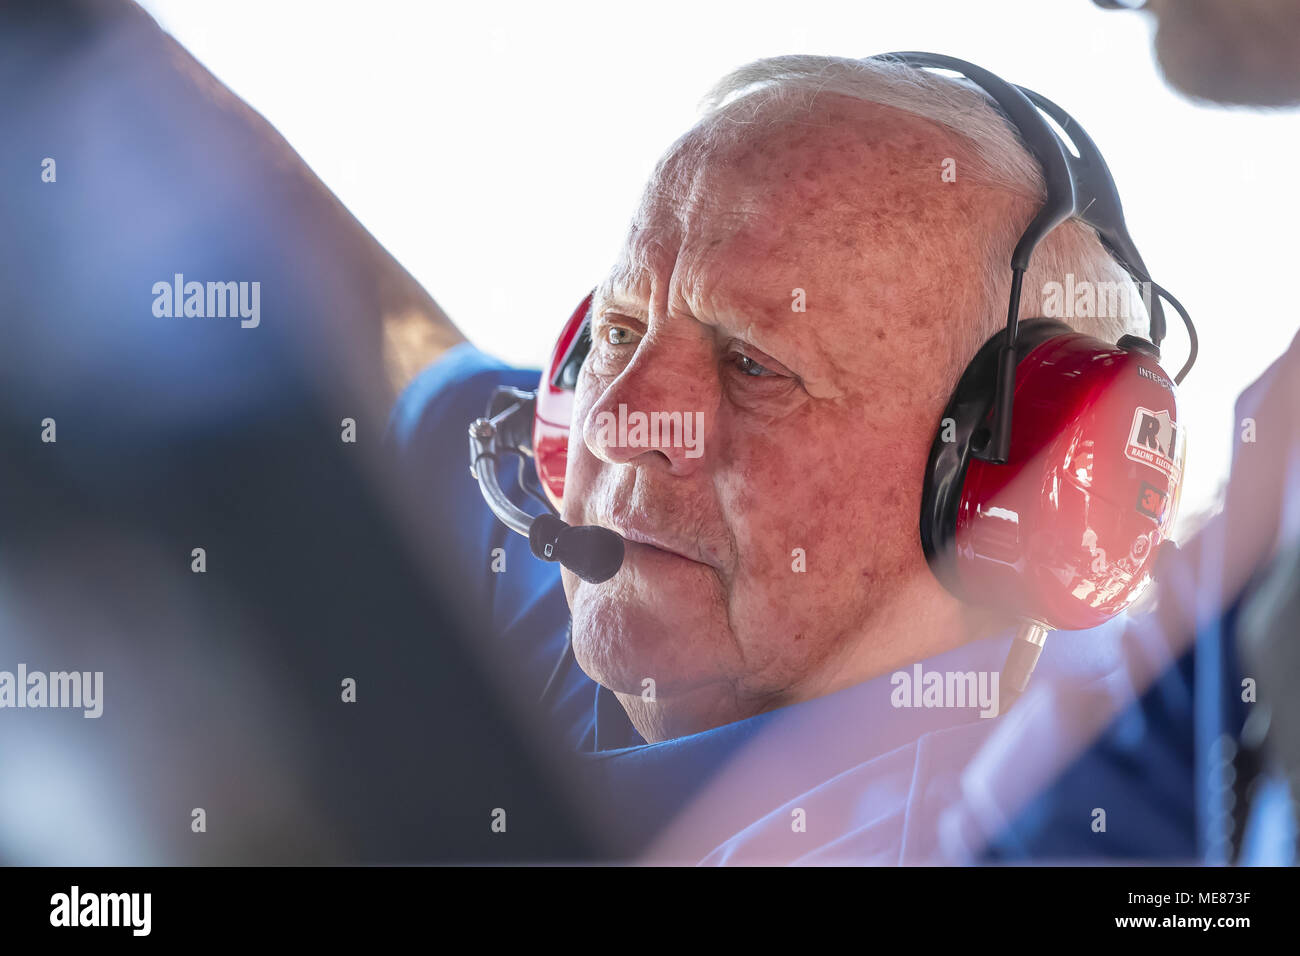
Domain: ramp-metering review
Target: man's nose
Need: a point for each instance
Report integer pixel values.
(661, 407)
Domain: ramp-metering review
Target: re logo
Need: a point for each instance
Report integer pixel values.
(1155, 440)
(1152, 501)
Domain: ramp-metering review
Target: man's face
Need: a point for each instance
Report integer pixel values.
(791, 280)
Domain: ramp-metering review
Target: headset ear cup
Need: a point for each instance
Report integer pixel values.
(1065, 533)
(961, 432)
(552, 421)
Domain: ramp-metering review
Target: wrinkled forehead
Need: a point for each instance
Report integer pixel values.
(802, 159)
(838, 196)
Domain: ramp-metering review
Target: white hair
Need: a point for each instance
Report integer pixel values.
(1000, 160)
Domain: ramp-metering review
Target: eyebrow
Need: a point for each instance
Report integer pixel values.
(726, 320)
(621, 297)
(617, 298)
(799, 351)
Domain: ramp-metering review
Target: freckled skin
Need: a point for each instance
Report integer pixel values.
(845, 202)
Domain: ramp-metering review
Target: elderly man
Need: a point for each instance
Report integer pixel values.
(802, 272)
(809, 271)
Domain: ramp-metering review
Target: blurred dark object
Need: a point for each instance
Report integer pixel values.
(222, 689)
(1233, 52)
(1270, 652)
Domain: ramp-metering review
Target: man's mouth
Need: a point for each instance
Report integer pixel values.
(660, 542)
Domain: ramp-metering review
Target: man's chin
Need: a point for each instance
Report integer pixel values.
(662, 647)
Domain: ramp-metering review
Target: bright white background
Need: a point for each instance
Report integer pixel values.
(498, 149)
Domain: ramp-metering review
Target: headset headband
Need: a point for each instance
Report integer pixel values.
(1079, 187)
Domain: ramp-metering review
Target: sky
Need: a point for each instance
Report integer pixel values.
(498, 150)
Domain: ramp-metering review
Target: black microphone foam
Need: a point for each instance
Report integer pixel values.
(592, 553)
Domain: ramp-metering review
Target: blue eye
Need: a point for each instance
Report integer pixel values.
(747, 366)
(613, 333)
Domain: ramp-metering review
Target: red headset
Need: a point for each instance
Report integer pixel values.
(555, 400)
(1055, 470)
